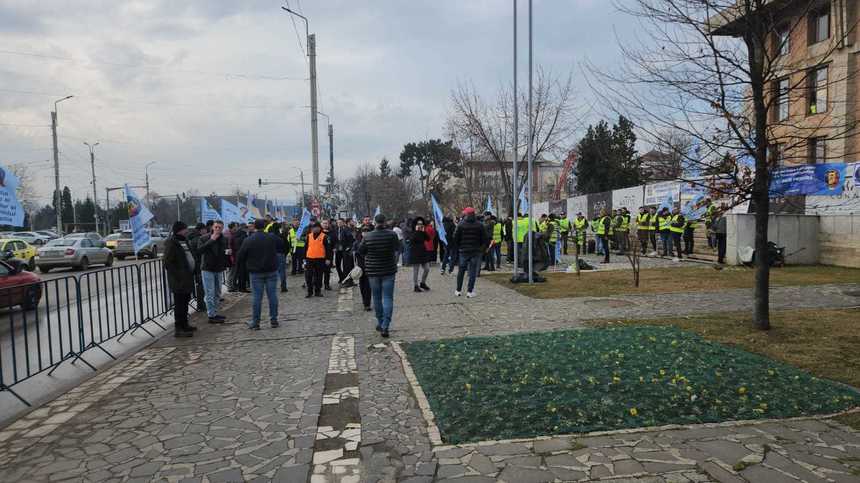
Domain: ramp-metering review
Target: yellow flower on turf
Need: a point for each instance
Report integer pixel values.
(634, 412)
(662, 372)
(468, 387)
(742, 390)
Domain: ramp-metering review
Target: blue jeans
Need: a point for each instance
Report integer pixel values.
(282, 269)
(598, 245)
(666, 239)
(382, 291)
(448, 259)
(212, 289)
(267, 282)
(472, 262)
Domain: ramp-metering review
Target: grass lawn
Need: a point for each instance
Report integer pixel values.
(594, 379)
(671, 280)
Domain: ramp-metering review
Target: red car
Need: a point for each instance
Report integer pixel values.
(18, 286)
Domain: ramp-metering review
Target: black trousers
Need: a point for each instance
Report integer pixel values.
(652, 234)
(510, 251)
(364, 287)
(314, 275)
(199, 293)
(676, 241)
(346, 262)
(339, 259)
(721, 247)
(688, 241)
(327, 275)
(298, 258)
(180, 309)
(564, 236)
(643, 240)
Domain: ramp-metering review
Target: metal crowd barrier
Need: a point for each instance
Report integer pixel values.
(47, 323)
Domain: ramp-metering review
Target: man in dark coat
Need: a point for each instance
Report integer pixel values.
(179, 265)
(470, 238)
(379, 249)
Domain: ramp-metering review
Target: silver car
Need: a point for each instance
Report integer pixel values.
(73, 252)
(125, 246)
(30, 237)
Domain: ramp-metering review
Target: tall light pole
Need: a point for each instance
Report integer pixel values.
(312, 55)
(146, 170)
(95, 192)
(514, 191)
(58, 197)
(530, 151)
(330, 152)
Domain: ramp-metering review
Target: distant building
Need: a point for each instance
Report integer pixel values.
(659, 166)
(485, 172)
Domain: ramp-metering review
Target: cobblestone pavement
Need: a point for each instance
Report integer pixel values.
(323, 398)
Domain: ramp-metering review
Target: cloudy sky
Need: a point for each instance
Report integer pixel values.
(215, 92)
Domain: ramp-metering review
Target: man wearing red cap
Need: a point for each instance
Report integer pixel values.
(470, 238)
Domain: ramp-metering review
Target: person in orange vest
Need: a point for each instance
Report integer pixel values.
(318, 254)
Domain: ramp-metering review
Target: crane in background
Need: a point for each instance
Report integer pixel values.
(565, 172)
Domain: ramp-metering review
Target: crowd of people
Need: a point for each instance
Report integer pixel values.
(254, 257)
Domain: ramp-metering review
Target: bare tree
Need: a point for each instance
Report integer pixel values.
(487, 125)
(720, 72)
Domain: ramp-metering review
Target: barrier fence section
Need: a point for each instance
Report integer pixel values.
(45, 323)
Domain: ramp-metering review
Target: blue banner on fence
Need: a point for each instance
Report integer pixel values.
(811, 179)
(138, 216)
(695, 208)
(11, 211)
(230, 213)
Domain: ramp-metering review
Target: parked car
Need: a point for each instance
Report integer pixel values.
(31, 237)
(48, 233)
(125, 246)
(90, 234)
(18, 286)
(73, 252)
(112, 239)
(11, 248)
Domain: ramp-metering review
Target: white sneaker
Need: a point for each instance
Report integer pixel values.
(457, 293)
(471, 295)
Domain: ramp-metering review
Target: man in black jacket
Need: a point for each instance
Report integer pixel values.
(343, 240)
(179, 265)
(213, 250)
(259, 255)
(470, 238)
(379, 249)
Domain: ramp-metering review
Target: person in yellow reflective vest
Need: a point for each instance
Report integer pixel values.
(564, 229)
(622, 229)
(603, 229)
(664, 218)
(653, 228)
(642, 222)
(298, 244)
(580, 227)
(689, 232)
(551, 235)
(710, 215)
(677, 224)
(498, 238)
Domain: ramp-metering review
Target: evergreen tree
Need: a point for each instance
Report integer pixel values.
(384, 168)
(607, 158)
(67, 210)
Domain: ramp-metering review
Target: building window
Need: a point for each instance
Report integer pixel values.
(776, 154)
(817, 150)
(781, 87)
(817, 87)
(783, 40)
(819, 25)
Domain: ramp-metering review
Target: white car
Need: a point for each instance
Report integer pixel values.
(31, 237)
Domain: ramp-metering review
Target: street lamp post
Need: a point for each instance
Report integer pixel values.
(514, 173)
(95, 191)
(146, 170)
(312, 65)
(530, 150)
(58, 197)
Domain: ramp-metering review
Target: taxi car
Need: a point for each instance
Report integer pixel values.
(14, 248)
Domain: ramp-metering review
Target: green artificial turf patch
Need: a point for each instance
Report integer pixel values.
(586, 380)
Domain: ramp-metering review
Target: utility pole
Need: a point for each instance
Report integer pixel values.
(330, 157)
(95, 191)
(312, 54)
(58, 196)
(514, 173)
(530, 151)
(146, 170)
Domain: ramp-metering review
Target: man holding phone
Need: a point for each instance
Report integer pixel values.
(214, 253)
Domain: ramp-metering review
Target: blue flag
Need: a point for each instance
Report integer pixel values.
(207, 212)
(11, 211)
(524, 203)
(437, 214)
(489, 207)
(230, 213)
(378, 211)
(303, 225)
(138, 216)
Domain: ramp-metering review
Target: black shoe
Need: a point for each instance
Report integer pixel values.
(367, 308)
(318, 294)
(328, 287)
(275, 325)
(424, 287)
(417, 289)
(183, 333)
(309, 295)
(385, 334)
(284, 290)
(216, 320)
(379, 328)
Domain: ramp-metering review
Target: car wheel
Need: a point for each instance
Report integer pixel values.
(109, 262)
(44, 269)
(32, 265)
(85, 263)
(31, 298)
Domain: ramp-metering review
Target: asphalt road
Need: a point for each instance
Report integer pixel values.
(110, 301)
